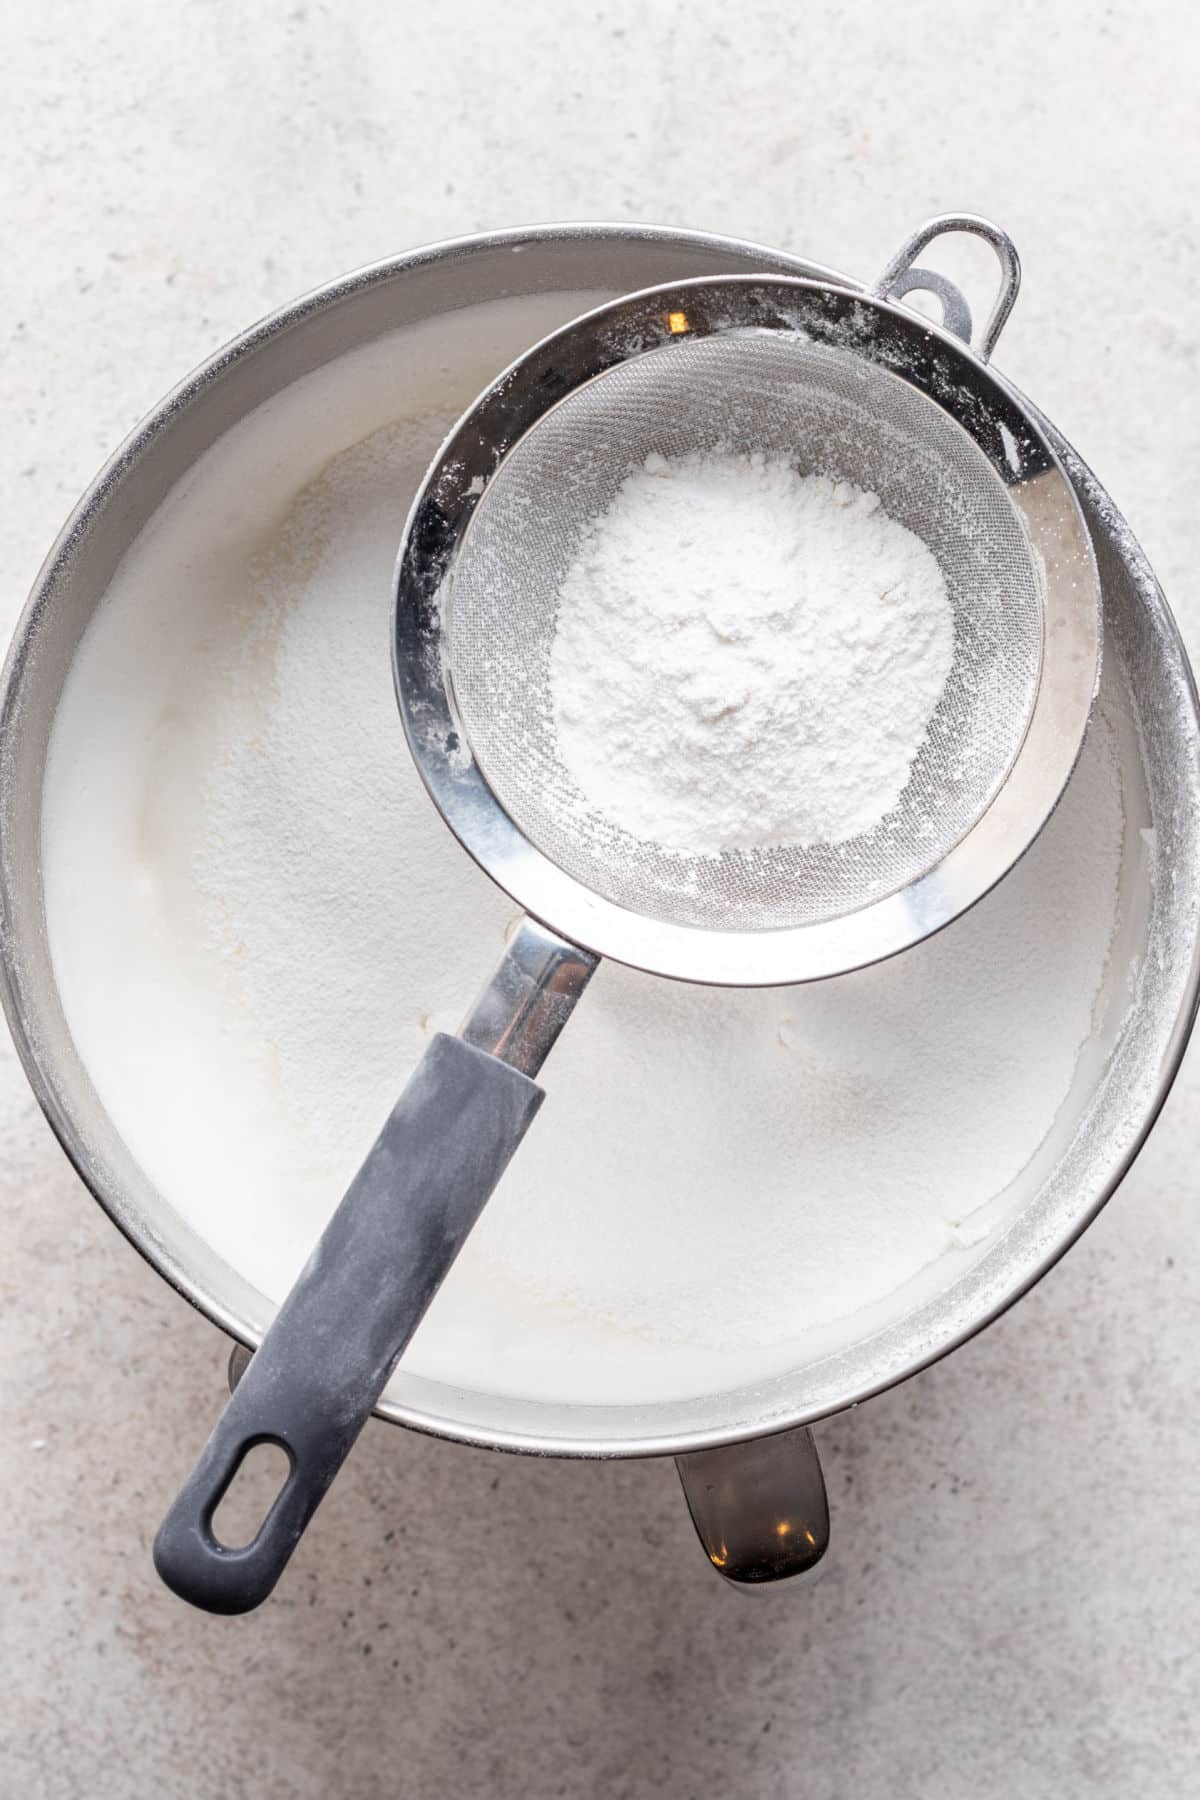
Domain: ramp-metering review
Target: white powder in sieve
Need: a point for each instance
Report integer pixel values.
(745, 656)
(257, 919)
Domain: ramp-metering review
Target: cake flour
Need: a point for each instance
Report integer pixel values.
(745, 656)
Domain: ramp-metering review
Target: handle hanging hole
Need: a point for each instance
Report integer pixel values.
(256, 1483)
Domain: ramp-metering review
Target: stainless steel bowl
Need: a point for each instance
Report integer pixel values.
(1123, 1076)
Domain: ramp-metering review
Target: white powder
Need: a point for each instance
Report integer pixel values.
(257, 919)
(745, 656)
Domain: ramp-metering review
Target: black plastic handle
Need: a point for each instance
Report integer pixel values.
(314, 1380)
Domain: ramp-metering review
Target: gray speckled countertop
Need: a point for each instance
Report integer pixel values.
(1012, 1604)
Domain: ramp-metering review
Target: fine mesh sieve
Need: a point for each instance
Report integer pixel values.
(838, 383)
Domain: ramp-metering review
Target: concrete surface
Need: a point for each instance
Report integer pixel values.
(1012, 1607)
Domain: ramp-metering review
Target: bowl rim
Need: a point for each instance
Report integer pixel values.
(40, 1072)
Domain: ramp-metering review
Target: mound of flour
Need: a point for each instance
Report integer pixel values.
(745, 656)
(257, 919)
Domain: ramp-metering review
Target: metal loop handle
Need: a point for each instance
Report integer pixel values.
(897, 277)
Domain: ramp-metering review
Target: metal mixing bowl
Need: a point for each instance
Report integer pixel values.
(1124, 1072)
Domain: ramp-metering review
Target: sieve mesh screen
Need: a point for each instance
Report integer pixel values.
(827, 411)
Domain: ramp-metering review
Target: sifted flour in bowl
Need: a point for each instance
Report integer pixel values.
(257, 919)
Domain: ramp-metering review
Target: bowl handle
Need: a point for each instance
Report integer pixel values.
(759, 1508)
(902, 276)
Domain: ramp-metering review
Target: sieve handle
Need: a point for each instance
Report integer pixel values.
(314, 1381)
(902, 276)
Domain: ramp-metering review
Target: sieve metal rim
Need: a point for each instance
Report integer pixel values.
(932, 361)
